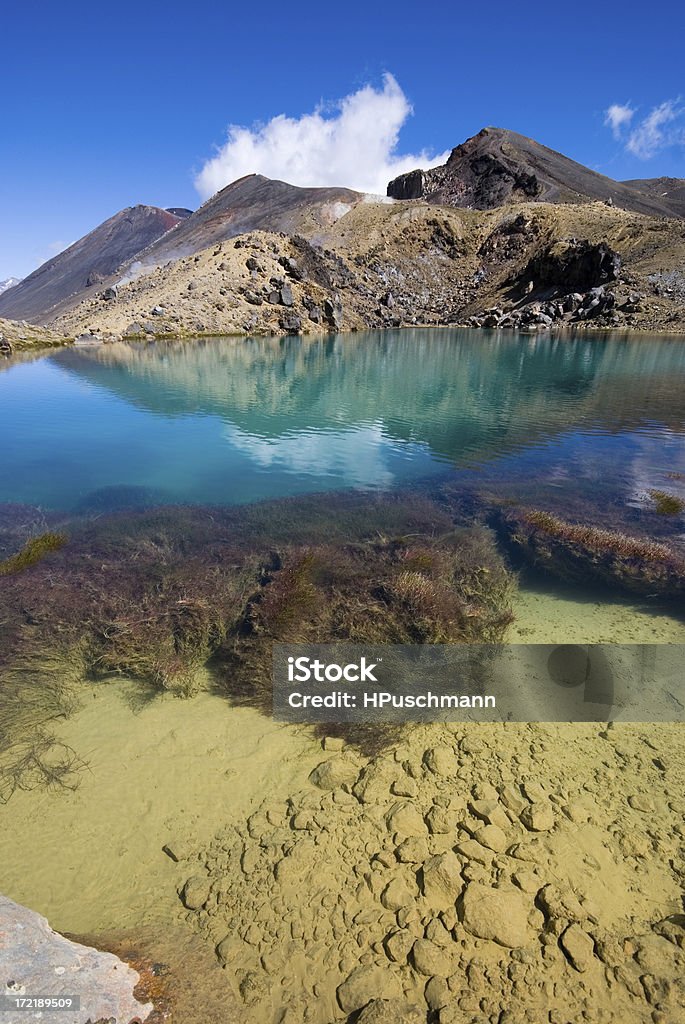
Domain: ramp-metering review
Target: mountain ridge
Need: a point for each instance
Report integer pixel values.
(253, 203)
(323, 227)
(106, 255)
(8, 283)
(498, 166)
(671, 190)
(86, 263)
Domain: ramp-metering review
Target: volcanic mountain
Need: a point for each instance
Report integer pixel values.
(253, 203)
(86, 263)
(497, 167)
(141, 237)
(144, 250)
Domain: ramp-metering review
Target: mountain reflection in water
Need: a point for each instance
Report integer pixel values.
(235, 420)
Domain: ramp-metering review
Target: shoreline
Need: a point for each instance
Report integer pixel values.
(41, 344)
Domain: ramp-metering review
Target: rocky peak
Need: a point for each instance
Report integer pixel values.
(497, 167)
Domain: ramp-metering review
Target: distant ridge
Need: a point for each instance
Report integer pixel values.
(86, 263)
(666, 190)
(493, 169)
(142, 234)
(497, 166)
(179, 211)
(9, 282)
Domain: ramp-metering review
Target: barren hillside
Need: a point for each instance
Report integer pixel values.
(413, 263)
(508, 233)
(86, 263)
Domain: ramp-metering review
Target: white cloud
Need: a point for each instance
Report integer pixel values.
(617, 117)
(653, 133)
(355, 457)
(352, 143)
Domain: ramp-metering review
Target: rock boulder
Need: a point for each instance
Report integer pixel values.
(40, 961)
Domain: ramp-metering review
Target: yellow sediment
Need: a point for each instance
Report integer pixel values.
(92, 860)
(561, 614)
(179, 772)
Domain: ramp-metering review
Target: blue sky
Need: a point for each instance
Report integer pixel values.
(108, 106)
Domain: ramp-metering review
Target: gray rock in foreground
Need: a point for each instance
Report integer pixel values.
(37, 961)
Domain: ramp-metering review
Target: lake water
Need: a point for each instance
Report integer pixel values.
(234, 420)
(585, 425)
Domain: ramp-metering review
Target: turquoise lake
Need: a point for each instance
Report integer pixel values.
(229, 421)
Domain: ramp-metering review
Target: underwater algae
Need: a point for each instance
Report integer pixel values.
(667, 504)
(581, 552)
(33, 551)
(32, 696)
(158, 595)
(162, 595)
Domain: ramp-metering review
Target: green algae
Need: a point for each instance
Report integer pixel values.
(667, 504)
(33, 551)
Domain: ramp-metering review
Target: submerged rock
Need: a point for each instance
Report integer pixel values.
(337, 771)
(538, 817)
(391, 1011)
(406, 820)
(441, 760)
(431, 959)
(442, 881)
(398, 945)
(577, 552)
(497, 914)
(195, 893)
(35, 960)
(398, 894)
(578, 946)
(177, 850)
(367, 984)
(376, 782)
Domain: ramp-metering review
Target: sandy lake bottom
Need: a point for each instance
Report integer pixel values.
(171, 771)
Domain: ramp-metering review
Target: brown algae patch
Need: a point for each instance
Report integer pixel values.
(587, 554)
(156, 595)
(449, 588)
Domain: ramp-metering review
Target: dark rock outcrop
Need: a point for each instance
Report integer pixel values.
(498, 166)
(411, 185)
(575, 266)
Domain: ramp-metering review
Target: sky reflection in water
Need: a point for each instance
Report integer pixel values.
(224, 422)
